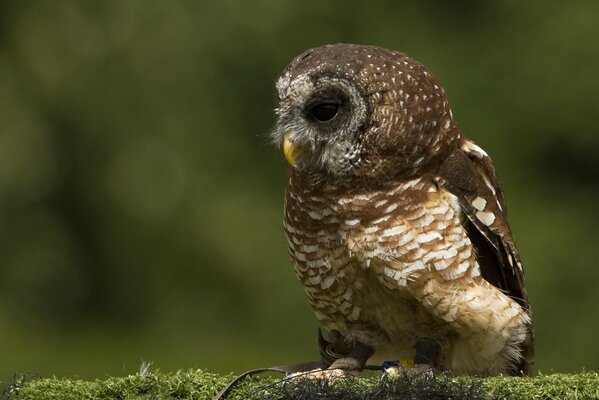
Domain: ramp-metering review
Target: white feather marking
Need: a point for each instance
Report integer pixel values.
(415, 266)
(327, 282)
(479, 203)
(489, 185)
(380, 203)
(472, 148)
(510, 260)
(345, 306)
(320, 316)
(426, 220)
(451, 314)
(355, 314)
(348, 293)
(315, 215)
(427, 237)
(371, 229)
(310, 248)
(314, 280)
(463, 267)
(486, 217)
(440, 264)
(396, 230)
(352, 222)
(408, 237)
(390, 208)
(318, 263)
(381, 219)
(390, 272)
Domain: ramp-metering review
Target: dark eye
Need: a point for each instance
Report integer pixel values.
(324, 112)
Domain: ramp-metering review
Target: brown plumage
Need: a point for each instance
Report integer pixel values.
(395, 220)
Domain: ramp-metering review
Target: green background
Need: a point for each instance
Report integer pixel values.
(141, 201)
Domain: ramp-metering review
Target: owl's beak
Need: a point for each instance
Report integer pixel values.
(291, 151)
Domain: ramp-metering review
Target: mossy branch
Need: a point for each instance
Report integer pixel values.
(198, 384)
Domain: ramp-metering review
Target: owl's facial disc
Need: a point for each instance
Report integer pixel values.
(320, 123)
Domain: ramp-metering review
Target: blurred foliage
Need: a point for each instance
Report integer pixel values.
(140, 200)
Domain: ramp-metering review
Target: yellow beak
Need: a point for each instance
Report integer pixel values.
(291, 151)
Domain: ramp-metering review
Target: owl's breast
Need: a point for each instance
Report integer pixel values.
(340, 244)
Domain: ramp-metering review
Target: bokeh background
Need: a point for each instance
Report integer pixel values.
(141, 201)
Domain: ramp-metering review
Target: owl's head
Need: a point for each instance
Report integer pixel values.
(349, 111)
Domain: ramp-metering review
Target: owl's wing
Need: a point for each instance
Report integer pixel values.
(469, 175)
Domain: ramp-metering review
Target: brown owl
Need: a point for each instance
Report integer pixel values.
(395, 220)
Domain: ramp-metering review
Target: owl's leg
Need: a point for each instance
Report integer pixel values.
(427, 351)
(342, 353)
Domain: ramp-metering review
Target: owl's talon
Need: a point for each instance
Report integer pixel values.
(329, 374)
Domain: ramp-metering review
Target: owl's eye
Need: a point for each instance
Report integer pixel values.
(324, 112)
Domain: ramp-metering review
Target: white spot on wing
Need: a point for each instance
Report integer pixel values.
(479, 203)
(486, 217)
(472, 148)
(489, 185)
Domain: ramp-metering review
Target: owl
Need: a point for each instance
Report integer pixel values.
(395, 220)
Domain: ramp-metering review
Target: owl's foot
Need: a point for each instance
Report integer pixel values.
(348, 364)
(340, 368)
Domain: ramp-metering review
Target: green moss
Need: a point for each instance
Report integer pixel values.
(583, 386)
(197, 384)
